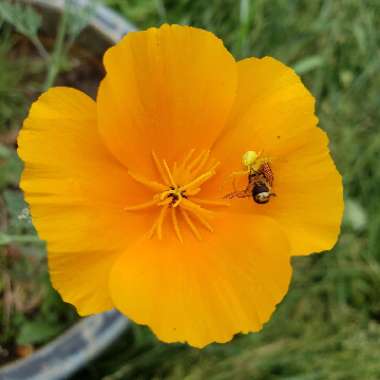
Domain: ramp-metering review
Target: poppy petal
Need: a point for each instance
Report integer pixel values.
(274, 114)
(168, 89)
(205, 291)
(75, 190)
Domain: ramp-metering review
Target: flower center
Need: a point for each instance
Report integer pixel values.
(175, 194)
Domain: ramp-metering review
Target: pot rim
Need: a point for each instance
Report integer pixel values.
(105, 20)
(70, 351)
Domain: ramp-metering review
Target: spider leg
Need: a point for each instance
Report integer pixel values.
(246, 193)
(235, 175)
(238, 194)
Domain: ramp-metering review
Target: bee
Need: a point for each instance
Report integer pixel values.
(260, 179)
(260, 184)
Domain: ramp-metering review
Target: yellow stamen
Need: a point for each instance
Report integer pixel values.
(193, 191)
(168, 172)
(160, 168)
(189, 205)
(201, 165)
(166, 194)
(176, 192)
(175, 169)
(196, 161)
(202, 221)
(141, 206)
(160, 221)
(198, 181)
(187, 159)
(166, 201)
(152, 230)
(178, 201)
(153, 185)
(214, 166)
(190, 224)
(176, 224)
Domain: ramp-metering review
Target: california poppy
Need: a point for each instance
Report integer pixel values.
(139, 197)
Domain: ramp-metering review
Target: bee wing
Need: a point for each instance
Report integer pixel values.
(266, 171)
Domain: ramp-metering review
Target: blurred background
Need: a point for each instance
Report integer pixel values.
(328, 326)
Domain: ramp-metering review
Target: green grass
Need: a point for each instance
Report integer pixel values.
(328, 326)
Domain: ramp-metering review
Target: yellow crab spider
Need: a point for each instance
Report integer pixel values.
(251, 161)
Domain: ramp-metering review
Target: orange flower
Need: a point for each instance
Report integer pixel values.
(142, 196)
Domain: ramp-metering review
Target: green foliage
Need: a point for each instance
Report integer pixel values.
(72, 22)
(28, 22)
(78, 19)
(23, 18)
(48, 323)
(11, 96)
(20, 323)
(10, 168)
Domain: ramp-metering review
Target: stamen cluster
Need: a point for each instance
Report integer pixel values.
(176, 191)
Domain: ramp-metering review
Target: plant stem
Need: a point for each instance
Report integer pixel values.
(40, 48)
(55, 61)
